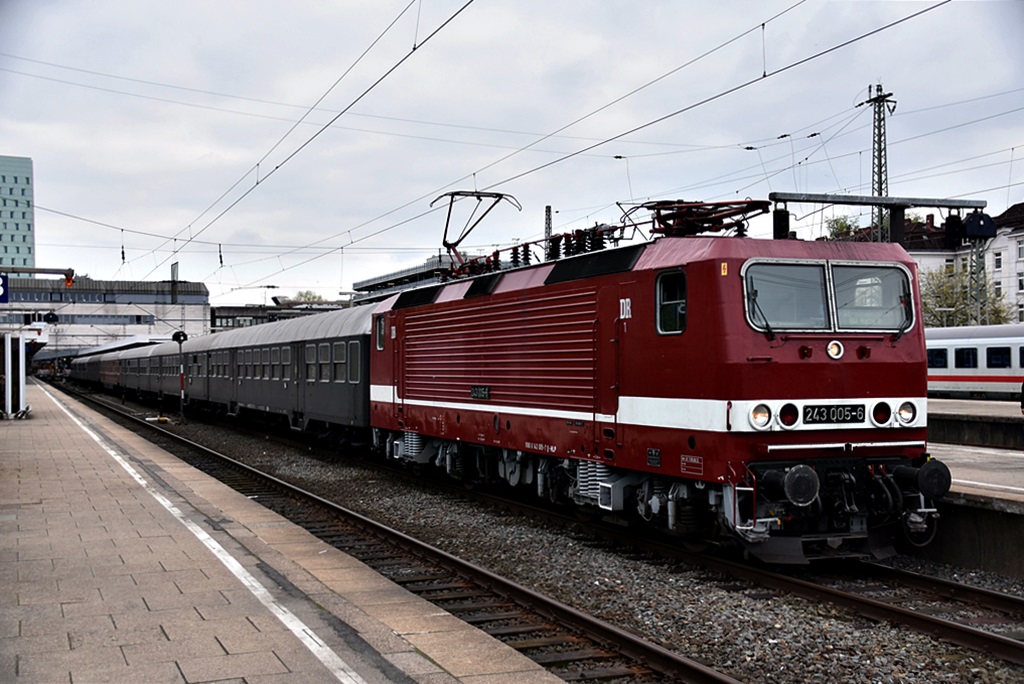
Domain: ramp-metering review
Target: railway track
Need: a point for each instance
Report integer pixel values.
(980, 619)
(946, 610)
(568, 643)
(985, 621)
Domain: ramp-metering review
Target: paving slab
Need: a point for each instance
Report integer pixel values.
(118, 562)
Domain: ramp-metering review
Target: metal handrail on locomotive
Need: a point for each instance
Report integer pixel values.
(766, 393)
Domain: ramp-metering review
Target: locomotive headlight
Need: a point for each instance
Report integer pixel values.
(907, 413)
(834, 350)
(760, 416)
(788, 415)
(881, 414)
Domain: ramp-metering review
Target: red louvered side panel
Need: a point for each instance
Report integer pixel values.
(537, 351)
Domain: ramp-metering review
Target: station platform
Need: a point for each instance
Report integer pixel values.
(120, 563)
(983, 474)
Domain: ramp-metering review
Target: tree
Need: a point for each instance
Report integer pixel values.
(946, 299)
(848, 227)
(841, 227)
(308, 296)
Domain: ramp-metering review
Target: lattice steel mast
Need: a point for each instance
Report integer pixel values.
(879, 162)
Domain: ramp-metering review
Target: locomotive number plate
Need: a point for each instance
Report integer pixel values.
(825, 413)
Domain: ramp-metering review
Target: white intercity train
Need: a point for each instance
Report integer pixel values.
(983, 361)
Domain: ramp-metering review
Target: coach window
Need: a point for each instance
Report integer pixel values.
(266, 363)
(325, 363)
(286, 363)
(965, 357)
(275, 363)
(672, 303)
(310, 362)
(938, 358)
(379, 333)
(997, 357)
(339, 362)
(353, 366)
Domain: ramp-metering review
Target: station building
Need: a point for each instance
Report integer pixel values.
(92, 313)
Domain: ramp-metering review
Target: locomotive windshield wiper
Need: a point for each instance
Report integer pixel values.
(757, 307)
(905, 305)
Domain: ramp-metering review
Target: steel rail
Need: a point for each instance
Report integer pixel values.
(993, 600)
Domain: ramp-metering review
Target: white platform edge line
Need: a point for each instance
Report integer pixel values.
(331, 660)
(985, 485)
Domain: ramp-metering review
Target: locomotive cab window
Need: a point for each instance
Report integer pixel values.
(827, 297)
(786, 296)
(872, 297)
(672, 303)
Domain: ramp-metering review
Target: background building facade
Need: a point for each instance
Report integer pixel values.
(1001, 257)
(17, 219)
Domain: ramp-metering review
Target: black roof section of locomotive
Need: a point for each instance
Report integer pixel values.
(595, 264)
(618, 260)
(417, 297)
(483, 285)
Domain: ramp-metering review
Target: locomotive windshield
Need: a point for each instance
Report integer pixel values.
(871, 297)
(826, 297)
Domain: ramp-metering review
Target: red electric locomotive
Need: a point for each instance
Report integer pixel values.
(770, 392)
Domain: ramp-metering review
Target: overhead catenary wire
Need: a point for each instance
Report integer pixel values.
(692, 106)
(545, 137)
(321, 130)
(788, 166)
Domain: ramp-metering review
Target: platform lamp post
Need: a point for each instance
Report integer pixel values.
(180, 336)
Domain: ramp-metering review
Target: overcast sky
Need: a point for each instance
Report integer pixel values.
(209, 132)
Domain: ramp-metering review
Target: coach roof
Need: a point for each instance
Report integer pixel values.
(333, 324)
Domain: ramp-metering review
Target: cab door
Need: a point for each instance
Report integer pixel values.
(615, 317)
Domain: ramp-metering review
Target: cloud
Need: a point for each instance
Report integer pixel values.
(144, 156)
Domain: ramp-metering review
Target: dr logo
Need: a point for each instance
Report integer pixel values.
(625, 308)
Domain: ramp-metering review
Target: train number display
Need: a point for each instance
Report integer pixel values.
(827, 413)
